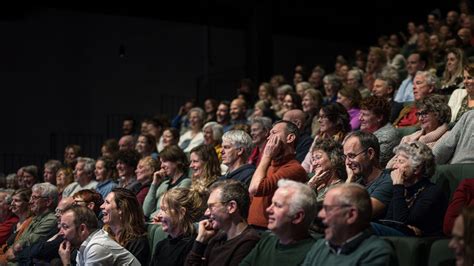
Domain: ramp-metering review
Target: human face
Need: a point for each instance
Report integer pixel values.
(402, 163)
(123, 169)
(320, 161)
(300, 90)
(351, 80)
(125, 143)
(236, 110)
(222, 113)
(80, 175)
(38, 203)
(105, 152)
(360, 164)
(315, 79)
(414, 64)
(381, 89)
(69, 155)
(168, 138)
(333, 215)
(329, 88)
(259, 135)
(308, 103)
(49, 175)
(262, 93)
(143, 172)
(279, 130)
(169, 167)
(346, 102)
(110, 212)
(325, 125)
(369, 122)
(297, 78)
(469, 83)
(257, 112)
(451, 62)
(19, 206)
(428, 120)
(230, 154)
(421, 89)
(279, 218)
(61, 178)
(457, 241)
(208, 136)
(288, 102)
(208, 107)
(68, 230)
(127, 127)
(100, 171)
(28, 180)
(194, 120)
(144, 128)
(142, 146)
(196, 164)
(217, 211)
(168, 219)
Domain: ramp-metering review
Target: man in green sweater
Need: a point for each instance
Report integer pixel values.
(290, 214)
(346, 213)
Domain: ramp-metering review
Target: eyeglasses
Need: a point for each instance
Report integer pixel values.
(422, 114)
(352, 156)
(77, 202)
(329, 208)
(212, 205)
(35, 198)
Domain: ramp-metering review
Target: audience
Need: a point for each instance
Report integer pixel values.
(205, 165)
(462, 237)
(83, 177)
(259, 130)
(236, 148)
(145, 169)
(106, 175)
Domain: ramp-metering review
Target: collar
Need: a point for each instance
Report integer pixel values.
(283, 160)
(350, 244)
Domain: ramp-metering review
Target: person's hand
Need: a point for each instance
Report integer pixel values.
(156, 219)
(350, 175)
(416, 230)
(17, 247)
(64, 252)
(318, 177)
(273, 146)
(181, 110)
(205, 231)
(10, 255)
(397, 176)
(159, 176)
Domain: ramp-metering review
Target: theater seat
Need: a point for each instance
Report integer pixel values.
(441, 254)
(411, 251)
(448, 176)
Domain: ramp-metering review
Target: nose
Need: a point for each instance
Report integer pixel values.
(322, 214)
(207, 213)
(269, 210)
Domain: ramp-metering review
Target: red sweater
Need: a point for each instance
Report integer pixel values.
(463, 196)
(289, 168)
(6, 228)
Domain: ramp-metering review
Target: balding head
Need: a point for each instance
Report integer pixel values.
(238, 107)
(296, 116)
(62, 205)
(126, 143)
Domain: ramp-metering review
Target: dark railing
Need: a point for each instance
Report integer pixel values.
(10, 162)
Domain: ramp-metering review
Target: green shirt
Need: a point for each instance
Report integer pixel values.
(270, 252)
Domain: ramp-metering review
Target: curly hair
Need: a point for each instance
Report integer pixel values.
(437, 104)
(378, 106)
(335, 153)
(185, 206)
(419, 155)
(337, 114)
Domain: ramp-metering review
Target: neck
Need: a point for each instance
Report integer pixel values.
(116, 229)
(238, 163)
(23, 216)
(176, 176)
(293, 237)
(345, 235)
(261, 145)
(236, 228)
(375, 172)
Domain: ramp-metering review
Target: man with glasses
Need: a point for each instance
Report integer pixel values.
(225, 237)
(348, 240)
(361, 154)
(292, 211)
(43, 200)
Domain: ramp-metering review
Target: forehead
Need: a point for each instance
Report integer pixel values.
(279, 127)
(331, 196)
(414, 58)
(67, 218)
(80, 165)
(420, 78)
(223, 107)
(352, 143)
(215, 195)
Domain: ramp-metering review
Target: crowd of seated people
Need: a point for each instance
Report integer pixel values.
(311, 172)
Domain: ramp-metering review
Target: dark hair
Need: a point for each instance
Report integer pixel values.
(174, 132)
(352, 94)
(32, 170)
(112, 146)
(234, 190)
(296, 99)
(175, 154)
(212, 170)
(110, 167)
(291, 128)
(377, 105)
(83, 215)
(129, 157)
(367, 140)
(337, 114)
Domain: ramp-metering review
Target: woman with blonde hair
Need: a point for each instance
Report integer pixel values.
(180, 209)
(453, 71)
(64, 177)
(124, 221)
(145, 169)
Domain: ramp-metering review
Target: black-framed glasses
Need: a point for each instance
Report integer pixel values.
(329, 208)
(35, 198)
(422, 114)
(352, 156)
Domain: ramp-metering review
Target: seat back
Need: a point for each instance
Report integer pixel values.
(441, 254)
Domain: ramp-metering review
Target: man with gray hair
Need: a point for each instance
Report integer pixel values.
(290, 215)
(50, 169)
(83, 176)
(259, 130)
(348, 239)
(236, 148)
(43, 200)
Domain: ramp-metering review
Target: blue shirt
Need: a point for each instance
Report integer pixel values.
(405, 92)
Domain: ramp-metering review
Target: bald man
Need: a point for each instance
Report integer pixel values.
(126, 142)
(298, 117)
(238, 108)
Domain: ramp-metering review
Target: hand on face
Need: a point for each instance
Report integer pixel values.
(206, 231)
(397, 176)
(273, 146)
(158, 176)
